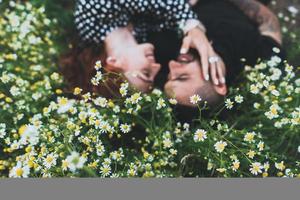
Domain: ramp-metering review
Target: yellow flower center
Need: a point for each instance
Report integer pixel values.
(19, 172)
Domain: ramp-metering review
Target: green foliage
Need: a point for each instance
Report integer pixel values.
(47, 133)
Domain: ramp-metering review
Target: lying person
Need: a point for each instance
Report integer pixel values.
(115, 33)
(235, 35)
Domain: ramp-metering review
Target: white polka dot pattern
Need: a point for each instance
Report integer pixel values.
(95, 19)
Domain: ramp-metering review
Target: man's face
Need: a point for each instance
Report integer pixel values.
(185, 79)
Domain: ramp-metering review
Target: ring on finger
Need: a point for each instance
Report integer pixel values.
(213, 59)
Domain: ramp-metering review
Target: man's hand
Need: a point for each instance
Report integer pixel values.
(193, 2)
(263, 16)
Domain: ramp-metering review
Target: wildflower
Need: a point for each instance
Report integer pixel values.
(19, 171)
(75, 161)
(100, 101)
(54, 76)
(64, 105)
(235, 165)
(104, 127)
(98, 65)
(298, 149)
(251, 154)
(105, 170)
(280, 166)
(135, 98)
(200, 135)
(117, 155)
(173, 152)
(124, 89)
(100, 149)
(50, 160)
(229, 104)
(266, 166)
(125, 128)
(65, 165)
(273, 113)
(173, 101)
(293, 10)
(220, 146)
(256, 168)
(77, 91)
(249, 137)
(239, 99)
(221, 170)
(254, 89)
(29, 133)
(2, 130)
(160, 104)
(261, 146)
(195, 99)
(167, 143)
(256, 105)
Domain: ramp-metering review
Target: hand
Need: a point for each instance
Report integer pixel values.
(197, 39)
(193, 2)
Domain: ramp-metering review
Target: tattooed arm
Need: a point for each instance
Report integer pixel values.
(263, 16)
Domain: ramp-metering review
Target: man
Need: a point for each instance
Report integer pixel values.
(237, 29)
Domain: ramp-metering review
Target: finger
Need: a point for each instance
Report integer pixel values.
(213, 73)
(204, 62)
(221, 72)
(185, 45)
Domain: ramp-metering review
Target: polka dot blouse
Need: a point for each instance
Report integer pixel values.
(95, 19)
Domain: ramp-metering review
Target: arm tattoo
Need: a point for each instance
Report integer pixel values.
(267, 21)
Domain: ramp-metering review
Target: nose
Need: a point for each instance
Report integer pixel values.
(148, 47)
(173, 66)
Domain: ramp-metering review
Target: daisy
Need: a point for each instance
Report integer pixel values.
(280, 166)
(195, 99)
(19, 171)
(256, 168)
(239, 99)
(75, 161)
(98, 65)
(261, 146)
(173, 101)
(105, 170)
(200, 135)
(50, 160)
(249, 137)
(229, 104)
(235, 165)
(220, 146)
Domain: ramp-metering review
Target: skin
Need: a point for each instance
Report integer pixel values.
(267, 21)
(186, 78)
(135, 61)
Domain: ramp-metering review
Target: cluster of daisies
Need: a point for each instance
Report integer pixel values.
(45, 133)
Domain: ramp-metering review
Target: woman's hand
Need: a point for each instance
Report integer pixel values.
(210, 60)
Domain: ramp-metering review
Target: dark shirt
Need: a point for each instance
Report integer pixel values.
(234, 37)
(233, 34)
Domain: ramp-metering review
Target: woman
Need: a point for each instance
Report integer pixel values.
(116, 27)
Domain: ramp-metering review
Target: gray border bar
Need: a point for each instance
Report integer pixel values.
(152, 189)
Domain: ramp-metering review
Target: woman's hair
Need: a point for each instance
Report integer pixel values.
(78, 68)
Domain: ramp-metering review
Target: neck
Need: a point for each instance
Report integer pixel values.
(118, 41)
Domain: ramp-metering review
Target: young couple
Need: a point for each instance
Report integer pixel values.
(184, 47)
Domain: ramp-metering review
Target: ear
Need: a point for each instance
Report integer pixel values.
(221, 89)
(113, 64)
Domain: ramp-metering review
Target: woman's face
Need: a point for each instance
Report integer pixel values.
(139, 66)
